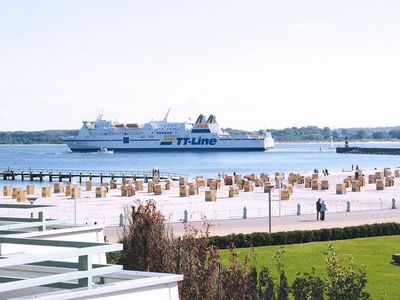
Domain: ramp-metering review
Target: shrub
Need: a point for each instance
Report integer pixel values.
(279, 238)
(336, 234)
(308, 236)
(150, 246)
(316, 234)
(308, 286)
(283, 290)
(237, 281)
(347, 233)
(266, 285)
(259, 239)
(355, 231)
(363, 231)
(325, 234)
(283, 287)
(198, 261)
(241, 240)
(300, 288)
(118, 257)
(345, 282)
(294, 237)
(148, 240)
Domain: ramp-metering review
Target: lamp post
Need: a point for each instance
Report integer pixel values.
(74, 195)
(31, 201)
(279, 178)
(269, 189)
(75, 206)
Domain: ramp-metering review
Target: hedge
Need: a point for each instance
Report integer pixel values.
(256, 239)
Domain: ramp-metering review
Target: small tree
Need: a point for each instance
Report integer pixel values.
(266, 285)
(198, 261)
(308, 286)
(150, 246)
(300, 288)
(283, 288)
(238, 280)
(345, 282)
(253, 282)
(317, 285)
(148, 240)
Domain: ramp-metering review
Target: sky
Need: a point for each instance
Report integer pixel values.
(254, 64)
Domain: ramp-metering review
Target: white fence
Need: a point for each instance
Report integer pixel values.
(286, 209)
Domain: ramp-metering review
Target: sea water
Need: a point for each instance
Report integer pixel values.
(285, 157)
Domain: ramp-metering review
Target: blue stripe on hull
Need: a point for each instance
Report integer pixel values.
(171, 149)
(201, 131)
(131, 140)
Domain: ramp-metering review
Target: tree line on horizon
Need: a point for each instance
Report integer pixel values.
(292, 134)
(36, 137)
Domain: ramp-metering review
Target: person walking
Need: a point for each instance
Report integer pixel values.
(323, 210)
(318, 205)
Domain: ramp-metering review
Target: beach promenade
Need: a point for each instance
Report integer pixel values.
(286, 223)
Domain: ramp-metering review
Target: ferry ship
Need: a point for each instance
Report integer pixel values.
(203, 135)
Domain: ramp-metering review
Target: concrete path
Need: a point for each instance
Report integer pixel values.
(305, 222)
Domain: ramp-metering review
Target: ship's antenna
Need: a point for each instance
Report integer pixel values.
(166, 116)
(265, 132)
(100, 115)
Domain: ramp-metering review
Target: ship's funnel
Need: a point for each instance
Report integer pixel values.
(200, 119)
(211, 119)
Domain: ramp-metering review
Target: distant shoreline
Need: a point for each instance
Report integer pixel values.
(277, 142)
(308, 134)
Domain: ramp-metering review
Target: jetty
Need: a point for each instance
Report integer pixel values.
(70, 175)
(362, 150)
(366, 150)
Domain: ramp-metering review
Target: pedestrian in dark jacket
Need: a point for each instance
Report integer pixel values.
(318, 205)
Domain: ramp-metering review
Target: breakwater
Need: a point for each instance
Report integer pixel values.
(370, 150)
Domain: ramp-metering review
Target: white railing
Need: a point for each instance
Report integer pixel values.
(287, 209)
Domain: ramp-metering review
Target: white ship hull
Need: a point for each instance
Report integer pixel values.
(156, 145)
(162, 135)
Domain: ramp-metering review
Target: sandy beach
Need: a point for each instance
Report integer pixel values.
(106, 211)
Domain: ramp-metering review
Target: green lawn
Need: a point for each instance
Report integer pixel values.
(376, 253)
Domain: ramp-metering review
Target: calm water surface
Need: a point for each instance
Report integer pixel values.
(293, 157)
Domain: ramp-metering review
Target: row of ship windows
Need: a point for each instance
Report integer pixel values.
(113, 131)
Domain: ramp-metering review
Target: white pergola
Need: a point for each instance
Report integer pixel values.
(63, 269)
(69, 274)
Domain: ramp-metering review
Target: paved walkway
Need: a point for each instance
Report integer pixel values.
(305, 222)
